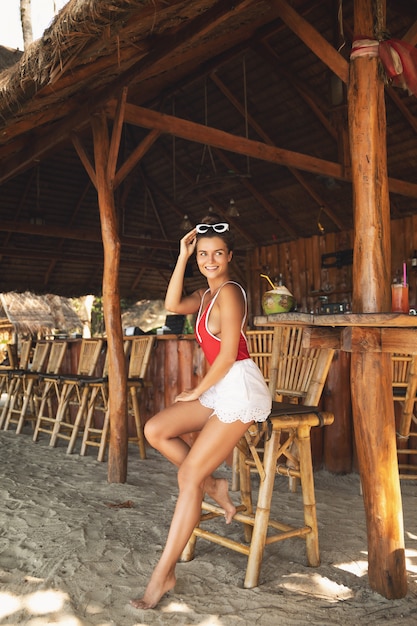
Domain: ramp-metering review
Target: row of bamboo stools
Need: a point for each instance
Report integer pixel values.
(70, 406)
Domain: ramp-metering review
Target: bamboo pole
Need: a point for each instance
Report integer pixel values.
(117, 465)
(373, 413)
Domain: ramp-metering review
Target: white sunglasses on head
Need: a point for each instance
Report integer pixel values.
(218, 228)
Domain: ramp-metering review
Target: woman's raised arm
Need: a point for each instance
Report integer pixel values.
(175, 301)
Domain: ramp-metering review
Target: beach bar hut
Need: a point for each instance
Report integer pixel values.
(124, 121)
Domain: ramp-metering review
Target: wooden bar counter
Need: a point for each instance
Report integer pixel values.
(371, 338)
(177, 363)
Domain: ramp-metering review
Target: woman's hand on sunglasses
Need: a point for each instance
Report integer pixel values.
(187, 244)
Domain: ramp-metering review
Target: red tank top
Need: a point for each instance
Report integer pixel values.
(209, 343)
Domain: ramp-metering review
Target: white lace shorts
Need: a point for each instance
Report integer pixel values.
(241, 395)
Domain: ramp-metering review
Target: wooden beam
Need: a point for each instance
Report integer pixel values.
(116, 136)
(82, 257)
(84, 158)
(402, 107)
(20, 154)
(200, 133)
(411, 35)
(136, 156)
(220, 139)
(64, 232)
(313, 39)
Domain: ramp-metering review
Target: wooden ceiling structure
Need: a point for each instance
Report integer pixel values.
(243, 101)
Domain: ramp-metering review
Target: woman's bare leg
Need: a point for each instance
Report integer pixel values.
(162, 432)
(208, 452)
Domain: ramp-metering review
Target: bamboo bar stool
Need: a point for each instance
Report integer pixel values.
(98, 403)
(38, 383)
(6, 366)
(51, 389)
(69, 392)
(22, 398)
(95, 433)
(13, 376)
(140, 354)
(299, 374)
(139, 350)
(404, 386)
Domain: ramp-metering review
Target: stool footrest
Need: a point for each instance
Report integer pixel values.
(285, 531)
(222, 541)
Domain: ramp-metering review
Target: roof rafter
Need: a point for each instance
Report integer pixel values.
(220, 139)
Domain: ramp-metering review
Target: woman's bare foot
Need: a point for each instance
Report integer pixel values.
(218, 490)
(156, 588)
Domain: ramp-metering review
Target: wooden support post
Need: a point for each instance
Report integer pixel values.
(117, 465)
(377, 456)
(373, 412)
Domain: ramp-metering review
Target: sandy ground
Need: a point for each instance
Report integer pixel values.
(68, 558)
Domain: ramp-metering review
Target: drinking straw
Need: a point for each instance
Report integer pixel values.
(404, 273)
(269, 280)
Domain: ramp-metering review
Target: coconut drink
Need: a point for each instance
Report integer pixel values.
(277, 300)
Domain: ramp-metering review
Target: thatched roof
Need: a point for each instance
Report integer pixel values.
(214, 75)
(29, 313)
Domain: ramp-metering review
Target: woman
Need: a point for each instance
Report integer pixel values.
(230, 397)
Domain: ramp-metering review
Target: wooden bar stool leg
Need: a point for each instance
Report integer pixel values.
(245, 489)
(138, 423)
(6, 405)
(89, 420)
(309, 499)
(45, 402)
(26, 400)
(188, 552)
(15, 396)
(78, 419)
(235, 470)
(104, 437)
(263, 509)
(60, 413)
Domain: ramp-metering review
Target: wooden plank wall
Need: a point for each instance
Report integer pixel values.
(299, 262)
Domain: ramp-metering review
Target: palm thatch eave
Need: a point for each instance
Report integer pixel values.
(32, 314)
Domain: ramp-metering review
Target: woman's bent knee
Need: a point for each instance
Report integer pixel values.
(152, 432)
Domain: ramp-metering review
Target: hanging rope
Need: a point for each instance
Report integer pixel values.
(174, 173)
(245, 102)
